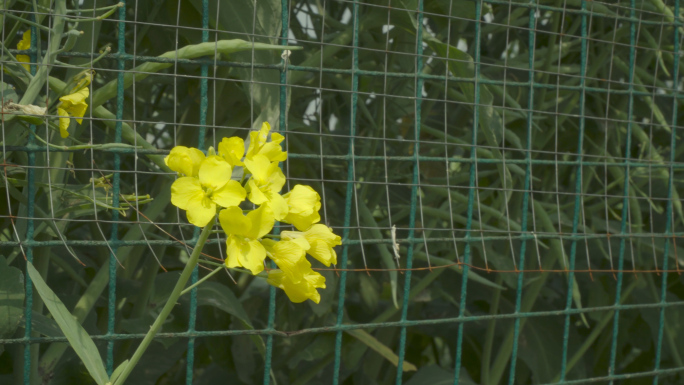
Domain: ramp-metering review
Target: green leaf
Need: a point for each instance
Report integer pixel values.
(117, 372)
(11, 299)
(78, 338)
(381, 348)
(8, 93)
(44, 325)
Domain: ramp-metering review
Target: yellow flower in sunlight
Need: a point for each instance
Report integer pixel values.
(24, 44)
(321, 239)
(232, 150)
(212, 186)
(288, 255)
(266, 182)
(185, 160)
(299, 291)
(243, 232)
(73, 105)
(258, 144)
(303, 204)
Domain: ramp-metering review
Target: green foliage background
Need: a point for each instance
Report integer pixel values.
(331, 104)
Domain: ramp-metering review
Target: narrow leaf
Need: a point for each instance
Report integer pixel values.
(381, 348)
(78, 338)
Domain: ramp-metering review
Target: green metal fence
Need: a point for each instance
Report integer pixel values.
(505, 176)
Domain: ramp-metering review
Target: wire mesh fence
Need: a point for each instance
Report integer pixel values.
(505, 176)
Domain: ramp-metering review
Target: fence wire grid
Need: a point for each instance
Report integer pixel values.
(504, 175)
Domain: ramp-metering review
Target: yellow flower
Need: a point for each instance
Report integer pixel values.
(303, 205)
(232, 149)
(244, 232)
(73, 105)
(321, 239)
(290, 256)
(185, 160)
(302, 290)
(212, 186)
(259, 146)
(266, 182)
(24, 44)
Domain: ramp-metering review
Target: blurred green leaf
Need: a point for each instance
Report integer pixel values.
(380, 348)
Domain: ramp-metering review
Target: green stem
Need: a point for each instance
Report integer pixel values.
(170, 304)
(194, 285)
(118, 5)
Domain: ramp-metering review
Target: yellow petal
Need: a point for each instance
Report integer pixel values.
(231, 194)
(303, 199)
(185, 160)
(301, 291)
(25, 42)
(256, 196)
(291, 259)
(257, 139)
(304, 204)
(232, 149)
(201, 211)
(273, 150)
(184, 190)
(320, 232)
(297, 237)
(249, 254)
(278, 204)
(76, 98)
(214, 172)
(261, 222)
(322, 240)
(232, 250)
(234, 222)
(322, 252)
(64, 122)
(276, 178)
(259, 167)
(24, 59)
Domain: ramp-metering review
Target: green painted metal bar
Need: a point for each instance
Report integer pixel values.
(201, 136)
(344, 327)
(440, 159)
(467, 253)
(578, 196)
(349, 193)
(116, 182)
(669, 210)
(414, 190)
(527, 187)
(625, 191)
(30, 226)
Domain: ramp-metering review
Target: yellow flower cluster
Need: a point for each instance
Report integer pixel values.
(206, 185)
(73, 105)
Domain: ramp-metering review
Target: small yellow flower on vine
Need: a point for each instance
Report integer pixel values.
(200, 195)
(266, 182)
(258, 144)
(243, 246)
(24, 44)
(73, 105)
(232, 150)
(184, 160)
(288, 255)
(303, 205)
(321, 239)
(302, 290)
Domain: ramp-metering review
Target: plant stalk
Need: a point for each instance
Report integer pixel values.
(170, 304)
